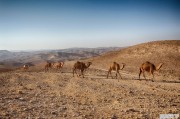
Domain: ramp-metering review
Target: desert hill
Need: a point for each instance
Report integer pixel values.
(10, 59)
(167, 52)
(58, 95)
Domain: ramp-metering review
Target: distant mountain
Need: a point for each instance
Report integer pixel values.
(5, 54)
(19, 58)
(98, 50)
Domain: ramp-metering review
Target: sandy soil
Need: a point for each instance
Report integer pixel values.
(56, 95)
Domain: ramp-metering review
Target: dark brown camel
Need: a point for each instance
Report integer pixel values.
(80, 66)
(116, 67)
(59, 65)
(25, 67)
(48, 66)
(149, 67)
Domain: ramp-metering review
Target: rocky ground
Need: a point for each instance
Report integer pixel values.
(55, 95)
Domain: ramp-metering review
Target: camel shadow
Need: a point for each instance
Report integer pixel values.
(102, 75)
(164, 81)
(143, 79)
(161, 81)
(98, 78)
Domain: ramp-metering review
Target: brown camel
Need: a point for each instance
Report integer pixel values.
(48, 66)
(116, 67)
(25, 67)
(149, 67)
(81, 66)
(59, 65)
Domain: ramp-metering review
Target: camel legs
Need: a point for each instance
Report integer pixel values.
(116, 76)
(46, 69)
(59, 69)
(82, 73)
(111, 74)
(119, 74)
(107, 74)
(144, 75)
(140, 73)
(74, 71)
(152, 75)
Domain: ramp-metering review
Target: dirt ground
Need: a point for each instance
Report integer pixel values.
(56, 95)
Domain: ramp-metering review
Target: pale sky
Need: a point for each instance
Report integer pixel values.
(59, 24)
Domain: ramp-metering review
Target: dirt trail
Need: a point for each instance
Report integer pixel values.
(59, 95)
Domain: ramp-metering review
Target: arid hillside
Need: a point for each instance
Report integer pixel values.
(49, 95)
(167, 52)
(55, 94)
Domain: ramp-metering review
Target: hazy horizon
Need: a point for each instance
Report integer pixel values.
(45, 24)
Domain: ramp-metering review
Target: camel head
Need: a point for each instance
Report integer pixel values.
(25, 66)
(123, 65)
(88, 64)
(62, 63)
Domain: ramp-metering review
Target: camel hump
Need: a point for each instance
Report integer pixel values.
(114, 62)
(89, 62)
(147, 62)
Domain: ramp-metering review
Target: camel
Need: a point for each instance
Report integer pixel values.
(48, 65)
(25, 67)
(116, 67)
(81, 66)
(149, 67)
(59, 65)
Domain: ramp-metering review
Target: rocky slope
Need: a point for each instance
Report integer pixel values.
(40, 95)
(167, 52)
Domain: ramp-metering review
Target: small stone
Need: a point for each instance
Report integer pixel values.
(54, 112)
(20, 92)
(132, 110)
(174, 105)
(22, 99)
(64, 115)
(114, 117)
(25, 109)
(31, 101)
(39, 118)
(130, 92)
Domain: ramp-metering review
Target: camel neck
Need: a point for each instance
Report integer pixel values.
(158, 67)
(88, 65)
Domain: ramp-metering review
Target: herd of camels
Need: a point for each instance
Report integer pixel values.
(145, 67)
